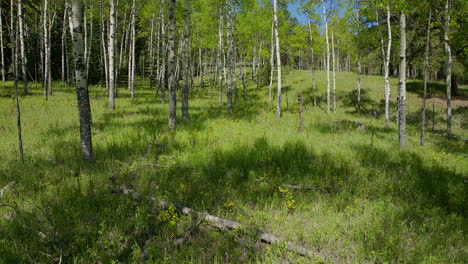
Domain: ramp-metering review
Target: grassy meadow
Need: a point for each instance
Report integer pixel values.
(370, 203)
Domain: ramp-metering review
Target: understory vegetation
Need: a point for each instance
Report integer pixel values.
(363, 199)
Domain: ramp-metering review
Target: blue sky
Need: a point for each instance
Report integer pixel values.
(292, 7)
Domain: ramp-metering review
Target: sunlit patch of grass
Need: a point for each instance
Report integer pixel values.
(370, 202)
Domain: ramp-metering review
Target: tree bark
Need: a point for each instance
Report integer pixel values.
(386, 60)
(314, 88)
(386, 70)
(334, 73)
(448, 69)
(24, 61)
(220, 54)
(49, 52)
(358, 66)
(301, 114)
(14, 57)
(186, 63)
(163, 54)
(104, 48)
(278, 57)
(84, 108)
(426, 75)
(46, 50)
(325, 21)
(272, 61)
(2, 59)
(402, 83)
(111, 46)
(132, 54)
(170, 69)
(230, 56)
(64, 43)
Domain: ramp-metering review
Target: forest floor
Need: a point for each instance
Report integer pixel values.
(369, 202)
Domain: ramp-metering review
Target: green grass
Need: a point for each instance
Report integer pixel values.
(374, 203)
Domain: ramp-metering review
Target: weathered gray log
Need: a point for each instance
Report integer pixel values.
(219, 222)
(4, 189)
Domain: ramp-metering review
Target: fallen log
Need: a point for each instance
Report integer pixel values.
(4, 189)
(220, 222)
(359, 125)
(305, 188)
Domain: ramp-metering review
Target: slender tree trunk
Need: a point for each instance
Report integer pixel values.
(171, 70)
(132, 50)
(46, 50)
(426, 74)
(358, 66)
(230, 56)
(448, 67)
(402, 83)
(104, 48)
(49, 52)
(325, 21)
(64, 35)
(386, 70)
(164, 54)
(312, 64)
(186, 62)
(272, 61)
(84, 108)
(111, 46)
(334, 74)
(151, 53)
(234, 56)
(123, 41)
(24, 61)
(254, 55)
(278, 57)
(1, 46)
(220, 54)
(90, 44)
(14, 57)
(301, 114)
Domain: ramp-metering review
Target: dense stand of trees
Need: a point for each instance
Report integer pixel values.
(170, 43)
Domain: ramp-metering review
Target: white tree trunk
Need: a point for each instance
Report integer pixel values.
(84, 108)
(325, 21)
(171, 68)
(426, 75)
(220, 60)
(46, 49)
(334, 73)
(24, 61)
(448, 67)
(111, 46)
(2, 59)
(132, 55)
(272, 61)
(64, 43)
(278, 57)
(402, 84)
(151, 52)
(49, 52)
(386, 70)
(186, 62)
(14, 56)
(230, 56)
(163, 54)
(312, 64)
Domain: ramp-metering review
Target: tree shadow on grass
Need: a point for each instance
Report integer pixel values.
(413, 181)
(85, 221)
(433, 89)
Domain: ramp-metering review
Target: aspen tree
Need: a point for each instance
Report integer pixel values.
(84, 108)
